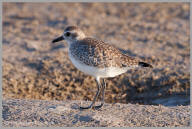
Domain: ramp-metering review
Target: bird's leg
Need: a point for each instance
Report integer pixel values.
(103, 95)
(97, 94)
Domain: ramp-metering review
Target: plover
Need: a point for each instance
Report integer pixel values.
(97, 58)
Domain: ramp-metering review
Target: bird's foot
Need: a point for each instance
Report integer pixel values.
(93, 107)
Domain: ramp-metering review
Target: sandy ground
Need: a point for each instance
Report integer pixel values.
(25, 113)
(157, 33)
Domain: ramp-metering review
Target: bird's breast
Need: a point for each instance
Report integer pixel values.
(96, 71)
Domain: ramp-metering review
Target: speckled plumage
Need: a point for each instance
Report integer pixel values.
(96, 58)
(96, 53)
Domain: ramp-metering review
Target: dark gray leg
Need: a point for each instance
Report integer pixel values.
(97, 94)
(103, 95)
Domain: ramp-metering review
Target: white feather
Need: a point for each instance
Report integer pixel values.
(97, 72)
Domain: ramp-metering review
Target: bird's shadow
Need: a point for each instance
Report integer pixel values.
(155, 91)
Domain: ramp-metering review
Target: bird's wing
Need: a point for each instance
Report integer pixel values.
(96, 53)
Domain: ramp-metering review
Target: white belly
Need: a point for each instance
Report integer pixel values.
(97, 72)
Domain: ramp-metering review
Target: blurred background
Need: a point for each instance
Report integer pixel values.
(157, 33)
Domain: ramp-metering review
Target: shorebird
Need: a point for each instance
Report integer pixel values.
(97, 58)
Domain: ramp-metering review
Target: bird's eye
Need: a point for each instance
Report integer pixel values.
(68, 34)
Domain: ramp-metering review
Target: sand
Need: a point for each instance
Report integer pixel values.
(41, 113)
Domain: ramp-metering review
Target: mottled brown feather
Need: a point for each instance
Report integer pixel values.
(96, 53)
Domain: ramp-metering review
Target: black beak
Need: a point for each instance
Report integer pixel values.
(58, 39)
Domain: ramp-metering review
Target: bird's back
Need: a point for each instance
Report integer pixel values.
(99, 54)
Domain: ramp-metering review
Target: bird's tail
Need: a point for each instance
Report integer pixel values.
(143, 64)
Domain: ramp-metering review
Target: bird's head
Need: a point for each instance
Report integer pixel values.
(71, 33)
